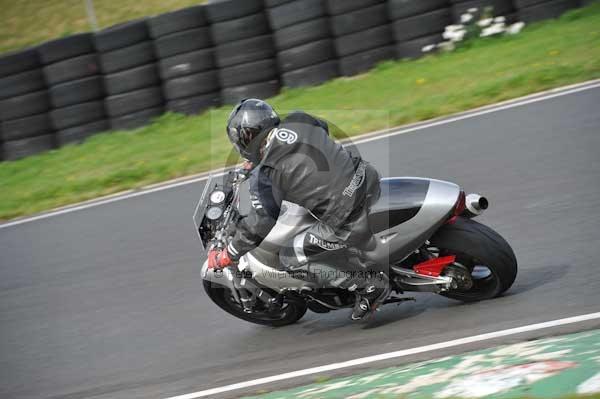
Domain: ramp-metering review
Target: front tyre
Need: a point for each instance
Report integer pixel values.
(289, 313)
(488, 258)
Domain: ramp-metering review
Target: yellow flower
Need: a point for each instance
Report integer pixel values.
(553, 52)
(421, 81)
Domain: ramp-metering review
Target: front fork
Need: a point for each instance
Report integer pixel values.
(244, 289)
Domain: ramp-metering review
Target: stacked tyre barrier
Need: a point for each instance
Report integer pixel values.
(75, 88)
(189, 60)
(537, 10)
(24, 120)
(131, 81)
(186, 60)
(418, 23)
(503, 8)
(363, 34)
(244, 50)
(305, 49)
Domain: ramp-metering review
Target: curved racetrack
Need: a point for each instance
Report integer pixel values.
(107, 302)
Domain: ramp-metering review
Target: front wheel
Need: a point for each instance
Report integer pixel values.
(480, 251)
(289, 313)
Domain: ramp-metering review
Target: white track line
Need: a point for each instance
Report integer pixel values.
(389, 355)
(368, 137)
(483, 111)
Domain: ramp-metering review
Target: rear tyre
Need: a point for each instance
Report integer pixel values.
(488, 257)
(290, 313)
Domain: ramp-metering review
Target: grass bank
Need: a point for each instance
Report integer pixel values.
(29, 22)
(545, 55)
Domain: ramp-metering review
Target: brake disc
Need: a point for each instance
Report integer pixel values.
(461, 277)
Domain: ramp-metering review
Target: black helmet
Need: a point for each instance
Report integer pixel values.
(248, 125)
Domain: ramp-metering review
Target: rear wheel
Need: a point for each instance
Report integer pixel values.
(289, 313)
(482, 253)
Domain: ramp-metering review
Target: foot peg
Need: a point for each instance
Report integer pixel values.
(395, 299)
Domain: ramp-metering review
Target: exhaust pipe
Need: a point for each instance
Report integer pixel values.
(475, 204)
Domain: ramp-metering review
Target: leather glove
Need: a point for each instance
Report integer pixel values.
(219, 259)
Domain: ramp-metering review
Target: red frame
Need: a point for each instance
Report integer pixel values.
(434, 267)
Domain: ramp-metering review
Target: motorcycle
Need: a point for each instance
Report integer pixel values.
(424, 234)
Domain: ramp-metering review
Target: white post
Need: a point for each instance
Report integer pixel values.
(91, 14)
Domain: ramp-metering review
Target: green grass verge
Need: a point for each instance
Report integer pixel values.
(545, 55)
(28, 22)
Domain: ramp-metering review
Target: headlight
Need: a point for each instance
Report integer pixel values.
(217, 197)
(214, 212)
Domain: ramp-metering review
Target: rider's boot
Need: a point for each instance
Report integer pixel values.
(372, 294)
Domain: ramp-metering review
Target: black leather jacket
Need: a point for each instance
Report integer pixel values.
(303, 165)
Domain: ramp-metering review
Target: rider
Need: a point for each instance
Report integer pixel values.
(296, 160)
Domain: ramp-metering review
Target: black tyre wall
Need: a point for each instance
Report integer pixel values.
(120, 36)
(418, 23)
(24, 105)
(220, 11)
(359, 20)
(365, 60)
(421, 25)
(527, 3)
(194, 105)
(135, 101)
(414, 48)
(363, 37)
(21, 83)
(184, 57)
(76, 92)
(252, 72)
(177, 21)
(398, 9)
(311, 75)
(301, 33)
(305, 55)
(336, 7)
(17, 149)
(127, 57)
(244, 52)
(65, 48)
(79, 133)
(132, 79)
(71, 69)
(187, 64)
(29, 126)
(239, 29)
(136, 119)
(302, 36)
(295, 12)
(275, 3)
(183, 42)
(546, 10)
(76, 115)
(16, 62)
(25, 127)
(499, 8)
(247, 50)
(192, 85)
(363, 41)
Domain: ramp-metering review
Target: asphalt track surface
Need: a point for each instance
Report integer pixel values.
(107, 302)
